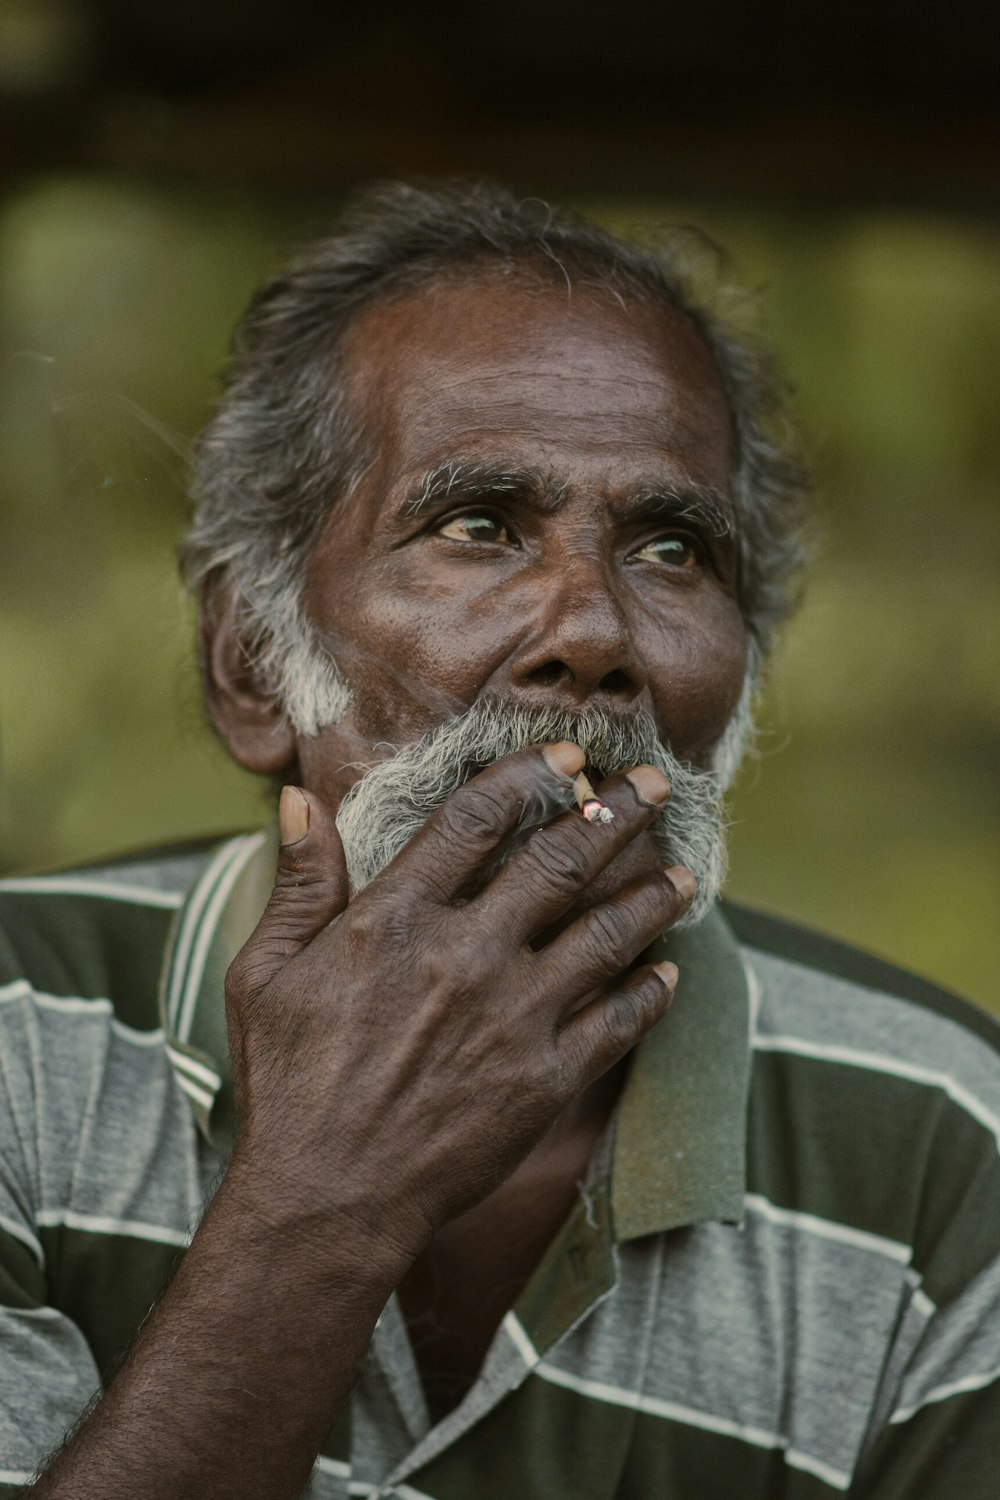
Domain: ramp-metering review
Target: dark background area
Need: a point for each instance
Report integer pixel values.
(157, 159)
(885, 102)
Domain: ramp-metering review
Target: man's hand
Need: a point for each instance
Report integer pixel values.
(396, 1056)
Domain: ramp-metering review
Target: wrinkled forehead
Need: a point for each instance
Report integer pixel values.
(567, 374)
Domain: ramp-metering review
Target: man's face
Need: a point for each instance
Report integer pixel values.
(521, 533)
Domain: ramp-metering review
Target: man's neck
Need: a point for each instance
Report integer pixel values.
(456, 1294)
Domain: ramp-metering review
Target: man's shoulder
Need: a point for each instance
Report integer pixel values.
(788, 952)
(874, 1105)
(854, 1025)
(98, 931)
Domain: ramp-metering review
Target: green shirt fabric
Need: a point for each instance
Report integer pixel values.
(781, 1278)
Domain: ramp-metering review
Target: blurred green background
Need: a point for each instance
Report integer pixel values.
(874, 809)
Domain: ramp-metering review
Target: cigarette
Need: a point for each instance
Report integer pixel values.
(587, 800)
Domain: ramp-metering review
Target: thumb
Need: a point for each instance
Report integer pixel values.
(310, 884)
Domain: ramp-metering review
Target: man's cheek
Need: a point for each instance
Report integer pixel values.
(399, 692)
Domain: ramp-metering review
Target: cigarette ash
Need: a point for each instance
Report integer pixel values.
(587, 800)
(596, 812)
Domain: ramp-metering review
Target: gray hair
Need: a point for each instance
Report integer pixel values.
(284, 445)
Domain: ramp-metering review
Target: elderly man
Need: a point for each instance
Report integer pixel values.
(490, 502)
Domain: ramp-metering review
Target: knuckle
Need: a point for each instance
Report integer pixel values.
(623, 1022)
(664, 895)
(568, 1070)
(290, 880)
(562, 865)
(237, 976)
(246, 976)
(613, 930)
(430, 878)
(473, 815)
(614, 1036)
(649, 998)
(380, 926)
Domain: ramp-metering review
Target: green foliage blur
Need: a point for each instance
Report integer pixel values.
(873, 810)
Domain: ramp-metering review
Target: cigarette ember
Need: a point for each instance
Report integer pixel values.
(587, 800)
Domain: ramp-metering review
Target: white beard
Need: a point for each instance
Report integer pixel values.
(382, 812)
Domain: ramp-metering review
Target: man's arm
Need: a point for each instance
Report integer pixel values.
(239, 1372)
(394, 1060)
(938, 1435)
(949, 1447)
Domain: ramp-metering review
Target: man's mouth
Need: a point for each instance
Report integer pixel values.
(388, 806)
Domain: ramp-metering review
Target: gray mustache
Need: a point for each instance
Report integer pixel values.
(394, 799)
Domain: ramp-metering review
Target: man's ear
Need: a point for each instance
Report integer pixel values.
(246, 711)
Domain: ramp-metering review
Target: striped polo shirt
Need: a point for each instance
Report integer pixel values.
(780, 1279)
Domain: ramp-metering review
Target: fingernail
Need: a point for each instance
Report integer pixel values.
(683, 881)
(293, 815)
(668, 973)
(564, 757)
(649, 785)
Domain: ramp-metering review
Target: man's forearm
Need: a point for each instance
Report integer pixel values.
(240, 1371)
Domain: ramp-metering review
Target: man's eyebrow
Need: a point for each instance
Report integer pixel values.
(699, 505)
(476, 479)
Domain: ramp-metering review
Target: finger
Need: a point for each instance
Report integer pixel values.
(463, 836)
(310, 888)
(539, 882)
(602, 942)
(594, 1038)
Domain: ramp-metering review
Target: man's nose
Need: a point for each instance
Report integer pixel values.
(581, 647)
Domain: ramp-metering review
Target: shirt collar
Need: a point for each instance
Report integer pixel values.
(680, 1145)
(680, 1138)
(217, 916)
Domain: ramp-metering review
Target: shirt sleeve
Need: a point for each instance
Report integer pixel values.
(47, 1371)
(935, 1432)
(941, 1438)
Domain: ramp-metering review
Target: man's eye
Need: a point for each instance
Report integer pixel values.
(678, 551)
(474, 526)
